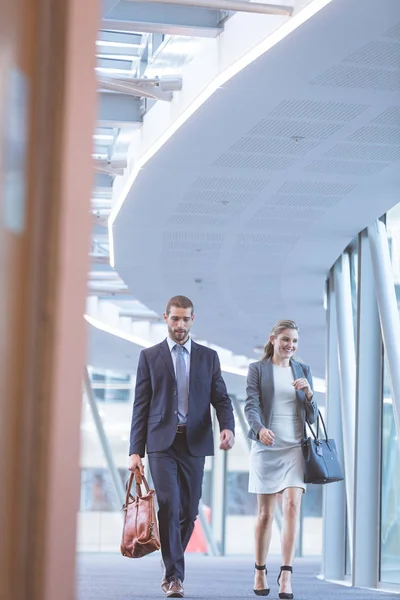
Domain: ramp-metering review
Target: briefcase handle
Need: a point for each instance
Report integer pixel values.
(129, 483)
(316, 436)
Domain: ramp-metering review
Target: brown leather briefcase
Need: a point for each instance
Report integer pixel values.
(140, 534)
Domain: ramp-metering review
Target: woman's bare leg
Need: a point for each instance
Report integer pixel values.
(291, 503)
(263, 533)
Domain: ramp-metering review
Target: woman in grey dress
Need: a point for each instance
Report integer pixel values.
(279, 398)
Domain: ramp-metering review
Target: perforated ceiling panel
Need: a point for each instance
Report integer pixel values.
(365, 152)
(376, 135)
(393, 32)
(382, 54)
(222, 208)
(216, 201)
(321, 110)
(280, 211)
(251, 243)
(210, 213)
(294, 200)
(200, 220)
(254, 161)
(390, 116)
(217, 196)
(353, 77)
(273, 178)
(324, 188)
(342, 167)
(189, 246)
(293, 130)
(233, 184)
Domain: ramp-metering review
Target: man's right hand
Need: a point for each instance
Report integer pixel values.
(135, 462)
(266, 436)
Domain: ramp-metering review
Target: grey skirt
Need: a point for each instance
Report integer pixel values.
(277, 467)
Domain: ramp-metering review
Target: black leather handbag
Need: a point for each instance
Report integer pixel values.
(321, 463)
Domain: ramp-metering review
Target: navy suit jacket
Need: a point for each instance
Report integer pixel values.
(155, 409)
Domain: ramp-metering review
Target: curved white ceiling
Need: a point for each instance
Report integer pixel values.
(248, 205)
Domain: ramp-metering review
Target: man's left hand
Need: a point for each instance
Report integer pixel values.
(227, 439)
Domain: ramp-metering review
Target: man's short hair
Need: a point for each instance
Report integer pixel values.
(179, 302)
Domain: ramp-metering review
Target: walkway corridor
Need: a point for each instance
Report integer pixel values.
(112, 577)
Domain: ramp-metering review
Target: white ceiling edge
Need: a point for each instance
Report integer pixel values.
(245, 38)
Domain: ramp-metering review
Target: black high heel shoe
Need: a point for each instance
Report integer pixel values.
(265, 591)
(283, 595)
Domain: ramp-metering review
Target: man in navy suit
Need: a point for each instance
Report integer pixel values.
(176, 383)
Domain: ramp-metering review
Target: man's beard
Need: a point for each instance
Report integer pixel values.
(178, 336)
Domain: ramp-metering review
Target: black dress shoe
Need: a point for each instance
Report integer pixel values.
(284, 595)
(265, 591)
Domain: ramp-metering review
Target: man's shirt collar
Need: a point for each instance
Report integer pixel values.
(188, 344)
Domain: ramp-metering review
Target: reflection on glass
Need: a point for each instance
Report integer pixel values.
(97, 490)
(110, 386)
(390, 493)
(354, 285)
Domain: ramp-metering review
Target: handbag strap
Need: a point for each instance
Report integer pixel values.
(316, 436)
(129, 483)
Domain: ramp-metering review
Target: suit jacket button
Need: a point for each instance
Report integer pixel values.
(174, 393)
(175, 412)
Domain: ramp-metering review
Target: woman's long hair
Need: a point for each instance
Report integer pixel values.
(275, 331)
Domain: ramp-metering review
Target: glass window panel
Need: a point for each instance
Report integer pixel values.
(354, 285)
(390, 489)
(390, 493)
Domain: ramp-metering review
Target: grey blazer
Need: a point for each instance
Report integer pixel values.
(260, 395)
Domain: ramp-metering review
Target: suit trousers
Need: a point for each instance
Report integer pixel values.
(177, 478)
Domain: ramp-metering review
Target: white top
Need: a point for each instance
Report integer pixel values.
(285, 402)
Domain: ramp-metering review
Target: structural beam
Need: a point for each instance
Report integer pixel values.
(241, 419)
(368, 427)
(334, 499)
(160, 88)
(118, 487)
(388, 310)
(131, 39)
(163, 18)
(107, 51)
(211, 544)
(230, 5)
(108, 5)
(218, 474)
(347, 372)
(101, 180)
(118, 110)
(116, 63)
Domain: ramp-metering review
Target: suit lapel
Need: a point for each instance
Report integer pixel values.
(267, 380)
(194, 361)
(297, 373)
(166, 354)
